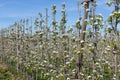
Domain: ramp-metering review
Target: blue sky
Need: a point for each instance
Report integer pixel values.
(14, 10)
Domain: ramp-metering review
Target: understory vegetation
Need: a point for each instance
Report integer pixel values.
(9, 73)
(52, 50)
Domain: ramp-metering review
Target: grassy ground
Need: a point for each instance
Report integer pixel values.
(9, 73)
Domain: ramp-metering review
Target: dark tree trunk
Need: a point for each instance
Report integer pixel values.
(79, 61)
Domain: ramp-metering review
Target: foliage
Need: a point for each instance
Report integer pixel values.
(48, 51)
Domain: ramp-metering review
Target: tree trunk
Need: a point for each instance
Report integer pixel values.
(79, 61)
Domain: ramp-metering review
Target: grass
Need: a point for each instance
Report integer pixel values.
(9, 73)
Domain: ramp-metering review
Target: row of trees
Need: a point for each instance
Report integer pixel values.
(53, 51)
